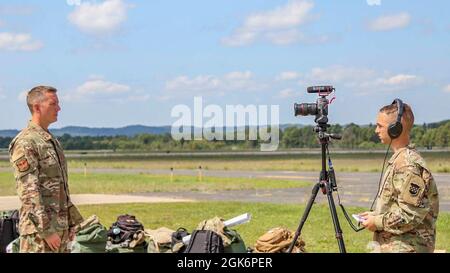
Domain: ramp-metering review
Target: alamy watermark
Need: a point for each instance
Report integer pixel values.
(211, 122)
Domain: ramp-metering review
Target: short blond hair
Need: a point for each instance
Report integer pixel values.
(407, 117)
(37, 95)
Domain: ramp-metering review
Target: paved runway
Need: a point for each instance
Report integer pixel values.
(355, 189)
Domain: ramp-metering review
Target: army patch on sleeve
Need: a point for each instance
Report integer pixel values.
(414, 189)
(22, 165)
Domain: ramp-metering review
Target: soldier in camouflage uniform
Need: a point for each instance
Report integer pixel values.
(47, 215)
(407, 204)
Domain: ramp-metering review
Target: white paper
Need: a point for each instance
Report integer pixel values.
(241, 219)
(358, 218)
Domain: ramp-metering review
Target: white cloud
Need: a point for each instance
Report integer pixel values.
(98, 86)
(278, 26)
(198, 83)
(100, 89)
(400, 79)
(285, 37)
(390, 83)
(373, 2)
(287, 93)
(18, 42)
(338, 74)
(390, 22)
(238, 75)
(357, 80)
(447, 88)
(97, 89)
(362, 80)
(207, 84)
(99, 18)
(288, 76)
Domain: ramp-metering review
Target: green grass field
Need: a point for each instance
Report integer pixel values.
(140, 183)
(437, 162)
(318, 231)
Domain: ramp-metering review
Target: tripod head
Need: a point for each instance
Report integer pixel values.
(321, 130)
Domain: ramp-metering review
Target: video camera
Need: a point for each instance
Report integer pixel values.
(320, 108)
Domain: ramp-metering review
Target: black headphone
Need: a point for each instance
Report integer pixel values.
(395, 129)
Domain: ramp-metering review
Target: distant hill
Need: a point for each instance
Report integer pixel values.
(133, 130)
(8, 133)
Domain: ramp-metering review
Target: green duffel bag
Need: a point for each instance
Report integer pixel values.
(91, 238)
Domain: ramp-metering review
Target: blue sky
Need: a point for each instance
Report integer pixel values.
(123, 62)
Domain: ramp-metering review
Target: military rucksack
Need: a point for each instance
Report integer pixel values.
(124, 229)
(9, 228)
(205, 241)
(126, 235)
(278, 240)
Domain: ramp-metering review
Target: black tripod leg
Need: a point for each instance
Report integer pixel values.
(337, 226)
(305, 216)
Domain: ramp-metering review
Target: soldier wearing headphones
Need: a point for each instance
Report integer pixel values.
(407, 202)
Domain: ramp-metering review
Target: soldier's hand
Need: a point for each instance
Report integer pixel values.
(369, 222)
(53, 241)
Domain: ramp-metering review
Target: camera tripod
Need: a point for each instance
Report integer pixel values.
(327, 182)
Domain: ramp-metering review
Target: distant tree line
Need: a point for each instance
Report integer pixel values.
(353, 137)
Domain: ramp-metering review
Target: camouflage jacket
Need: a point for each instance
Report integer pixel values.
(407, 206)
(40, 171)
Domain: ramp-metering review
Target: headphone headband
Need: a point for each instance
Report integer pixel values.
(400, 108)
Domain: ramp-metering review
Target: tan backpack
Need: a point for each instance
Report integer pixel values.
(278, 240)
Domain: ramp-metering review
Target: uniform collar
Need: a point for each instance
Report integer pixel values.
(399, 151)
(46, 135)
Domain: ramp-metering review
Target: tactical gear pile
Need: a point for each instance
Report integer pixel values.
(127, 235)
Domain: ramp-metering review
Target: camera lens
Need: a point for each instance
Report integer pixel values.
(305, 109)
